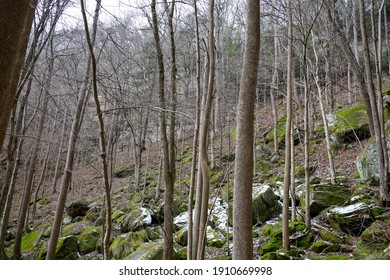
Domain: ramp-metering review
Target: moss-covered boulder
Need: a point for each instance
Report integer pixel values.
(94, 214)
(67, 249)
(330, 236)
(148, 251)
(367, 160)
(324, 195)
(90, 239)
(349, 124)
(281, 133)
(126, 244)
(30, 241)
(279, 255)
(304, 241)
(265, 203)
(214, 238)
(336, 257)
(352, 219)
(273, 244)
(373, 241)
(77, 208)
(182, 237)
(137, 219)
(123, 171)
(319, 246)
(74, 228)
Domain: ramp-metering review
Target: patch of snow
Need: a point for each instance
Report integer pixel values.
(147, 216)
(350, 208)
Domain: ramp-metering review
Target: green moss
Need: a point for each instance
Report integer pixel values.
(350, 123)
(152, 234)
(30, 241)
(123, 171)
(44, 201)
(273, 244)
(179, 253)
(330, 236)
(299, 171)
(186, 159)
(304, 241)
(116, 215)
(336, 257)
(233, 133)
(67, 248)
(148, 251)
(269, 256)
(89, 239)
(267, 230)
(296, 226)
(319, 246)
(127, 244)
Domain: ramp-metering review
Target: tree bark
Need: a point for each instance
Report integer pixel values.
(15, 22)
(243, 170)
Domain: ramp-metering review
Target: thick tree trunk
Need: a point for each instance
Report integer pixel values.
(15, 22)
(243, 170)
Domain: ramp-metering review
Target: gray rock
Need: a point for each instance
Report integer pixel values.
(148, 251)
(138, 218)
(352, 219)
(367, 160)
(266, 204)
(323, 196)
(77, 208)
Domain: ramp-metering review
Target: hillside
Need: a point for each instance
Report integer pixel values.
(138, 217)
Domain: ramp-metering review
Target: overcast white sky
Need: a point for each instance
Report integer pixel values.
(110, 10)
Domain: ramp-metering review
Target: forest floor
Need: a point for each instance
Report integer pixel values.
(88, 183)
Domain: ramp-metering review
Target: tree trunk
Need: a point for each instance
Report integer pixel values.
(69, 164)
(351, 57)
(195, 140)
(25, 203)
(15, 22)
(243, 170)
(287, 169)
(102, 136)
(168, 153)
(274, 87)
(203, 153)
(382, 168)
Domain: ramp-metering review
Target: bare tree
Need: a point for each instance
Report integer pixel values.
(287, 168)
(74, 135)
(102, 135)
(168, 143)
(203, 187)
